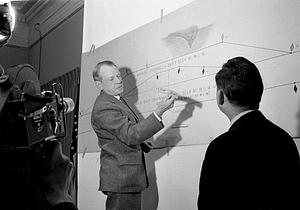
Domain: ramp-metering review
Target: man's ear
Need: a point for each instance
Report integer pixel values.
(220, 97)
(98, 85)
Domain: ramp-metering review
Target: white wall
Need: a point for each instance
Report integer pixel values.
(117, 17)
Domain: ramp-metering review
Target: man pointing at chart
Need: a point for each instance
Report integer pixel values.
(121, 137)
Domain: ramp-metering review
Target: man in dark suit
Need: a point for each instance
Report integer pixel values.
(254, 165)
(121, 138)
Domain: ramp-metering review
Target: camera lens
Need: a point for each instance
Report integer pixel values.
(68, 105)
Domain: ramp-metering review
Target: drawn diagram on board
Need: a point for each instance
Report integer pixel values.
(154, 79)
(151, 76)
(186, 58)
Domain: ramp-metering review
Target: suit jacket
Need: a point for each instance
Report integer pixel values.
(120, 134)
(255, 165)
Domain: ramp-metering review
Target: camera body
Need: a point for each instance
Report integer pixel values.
(30, 120)
(28, 116)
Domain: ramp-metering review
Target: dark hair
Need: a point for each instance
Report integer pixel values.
(96, 74)
(241, 82)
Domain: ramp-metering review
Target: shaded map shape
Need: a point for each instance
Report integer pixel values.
(187, 40)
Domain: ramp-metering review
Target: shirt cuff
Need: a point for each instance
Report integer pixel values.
(159, 119)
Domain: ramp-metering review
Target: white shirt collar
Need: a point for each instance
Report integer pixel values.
(238, 116)
(117, 97)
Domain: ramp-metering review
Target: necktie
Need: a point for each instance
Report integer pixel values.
(124, 102)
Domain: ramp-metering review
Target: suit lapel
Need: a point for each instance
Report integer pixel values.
(122, 106)
(127, 105)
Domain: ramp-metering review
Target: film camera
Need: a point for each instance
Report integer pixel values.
(29, 117)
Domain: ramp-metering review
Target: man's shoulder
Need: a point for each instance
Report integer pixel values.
(103, 101)
(277, 130)
(220, 142)
(253, 128)
(268, 129)
(101, 105)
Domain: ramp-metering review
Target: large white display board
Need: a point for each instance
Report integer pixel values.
(183, 51)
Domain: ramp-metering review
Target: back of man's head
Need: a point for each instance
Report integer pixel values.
(241, 82)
